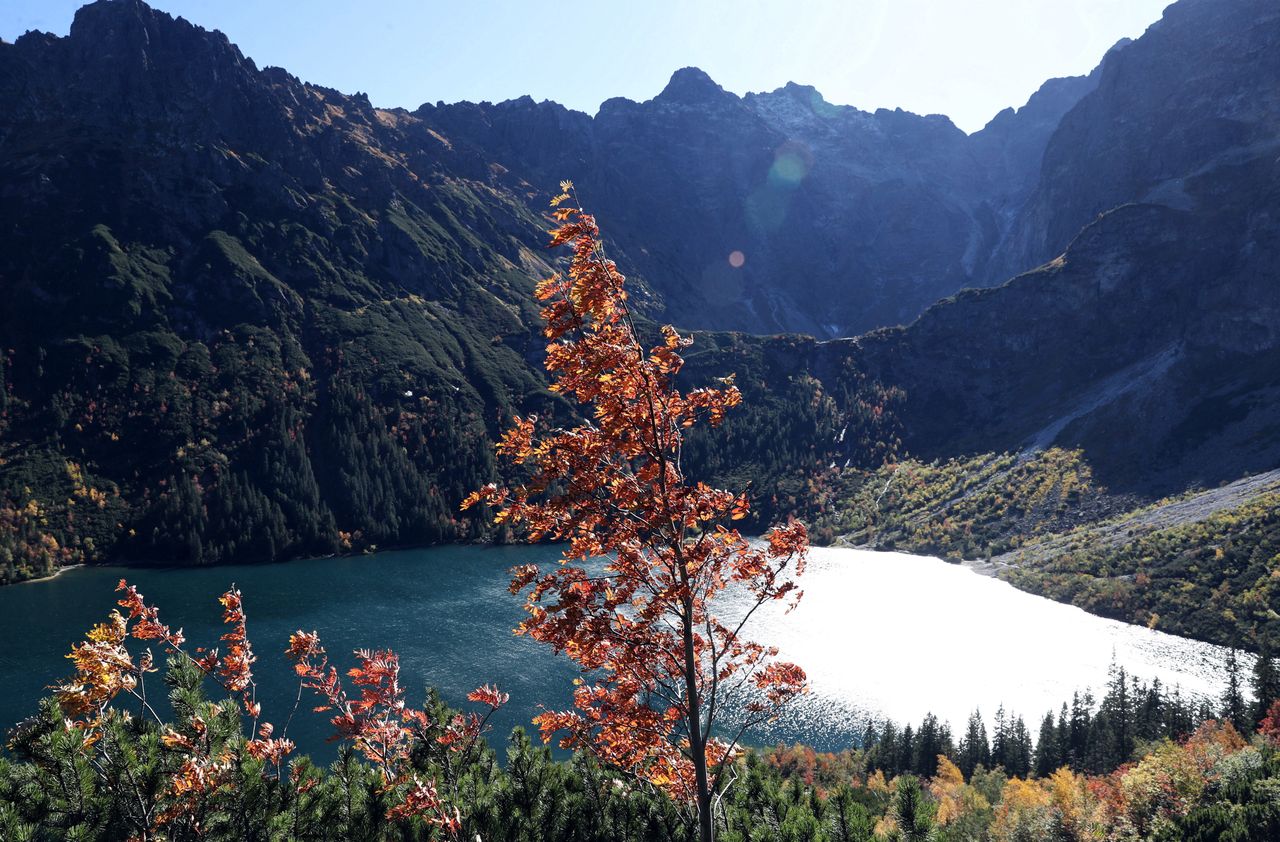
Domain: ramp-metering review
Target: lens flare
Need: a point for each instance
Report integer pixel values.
(791, 164)
(736, 259)
(767, 205)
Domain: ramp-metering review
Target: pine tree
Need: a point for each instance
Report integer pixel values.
(848, 820)
(1047, 759)
(887, 750)
(913, 811)
(932, 740)
(1111, 739)
(1265, 684)
(870, 737)
(1179, 719)
(1019, 749)
(1081, 716)
(975, 750)
(1000, 740)
(906, 750)
(1063, 735)
(1118, 707)
(1150, 716)
(1234, 708)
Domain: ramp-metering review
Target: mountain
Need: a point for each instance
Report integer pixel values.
(1151, 336)
(245, 317)
(1195, 93)
(844, 220)
(250, 318)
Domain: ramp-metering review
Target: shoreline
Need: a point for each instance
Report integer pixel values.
(366, 552)
(55, 574)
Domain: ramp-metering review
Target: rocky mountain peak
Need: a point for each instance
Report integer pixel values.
(805, 93)
(129, 31)
(796, 103)
(692, 86)
(124, 57)
(107, 17)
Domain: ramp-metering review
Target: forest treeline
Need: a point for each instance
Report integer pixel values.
(1138, 765)
(259, 445)
(242, 449)
(1087, 734)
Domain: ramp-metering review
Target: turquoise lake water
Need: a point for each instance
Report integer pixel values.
(880, 634)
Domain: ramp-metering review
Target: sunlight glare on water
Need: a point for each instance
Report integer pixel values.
(895, 635)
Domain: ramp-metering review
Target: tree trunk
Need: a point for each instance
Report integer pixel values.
(697, 740)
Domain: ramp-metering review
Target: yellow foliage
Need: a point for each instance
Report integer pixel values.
(876, 783)
(949, 788)
(1024, 812)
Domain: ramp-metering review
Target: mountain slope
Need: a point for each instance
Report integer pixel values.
(252, 318)
(1151, 342)
(1196, 92)
(246, 317)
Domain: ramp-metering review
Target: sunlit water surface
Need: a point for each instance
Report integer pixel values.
(880, 635)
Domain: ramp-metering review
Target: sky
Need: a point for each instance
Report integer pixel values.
(967, 59)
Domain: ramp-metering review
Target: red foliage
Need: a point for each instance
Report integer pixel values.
(383, 727)
(423, 801)
(1270, 725)
(148, 626)
(236, 667)
(662, 664)
(378, 721)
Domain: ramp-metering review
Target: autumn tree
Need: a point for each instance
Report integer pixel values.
(653, 590)
(204, 754)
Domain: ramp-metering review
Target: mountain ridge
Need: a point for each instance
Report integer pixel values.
(254, 317)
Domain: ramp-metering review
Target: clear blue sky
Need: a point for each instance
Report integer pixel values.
(964, 58)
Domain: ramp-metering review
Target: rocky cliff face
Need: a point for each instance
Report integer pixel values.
(1153, 343)
(1150, 338)
(1198, 91)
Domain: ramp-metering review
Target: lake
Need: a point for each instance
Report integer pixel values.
(880, 634)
